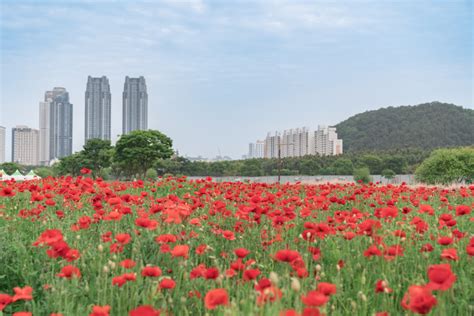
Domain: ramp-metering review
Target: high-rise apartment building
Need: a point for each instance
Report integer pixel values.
(326, 142)
(135, 105)
(25, 145)
(272, 144)
(295, 142)
(256, 150)
(98, 108)
(300, 142)
(44, 130)
(2, 144)
(56, 122)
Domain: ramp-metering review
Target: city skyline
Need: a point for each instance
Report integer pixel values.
(219, 73)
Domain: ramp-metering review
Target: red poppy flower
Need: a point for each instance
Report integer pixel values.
(86, 171)
(22, 314)
(445, 240)
(166, 238)
(69, 272)
(128, 263)
(144, 310)
(381, 287)
(215, 298)
(418, 299)
(180, 251)
(5, 299)
(123, 238)
(289, 312)
(241, 252)
(211, 273)
(151, 272)
(287, 255)
(470, 249)
(114, 201)
(167, 283)
(441, 277)
(311, 311)
(227, 234)
(119, 281)
(327, 289)
(7, 192)
(251, 274)
(201, 249)
(100, 310)
(24, 293)
(463, 210)
(314, 298)
(449, 254)
(372, 251)
(427, 248)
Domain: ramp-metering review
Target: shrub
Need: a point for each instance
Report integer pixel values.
(362, 174)
(151, 174)
(388, 174)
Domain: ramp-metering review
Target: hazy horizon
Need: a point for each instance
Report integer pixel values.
(220, 75)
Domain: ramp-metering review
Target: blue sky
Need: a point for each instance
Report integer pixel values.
(221, 74)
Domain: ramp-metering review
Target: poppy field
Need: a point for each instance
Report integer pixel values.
(78, 246)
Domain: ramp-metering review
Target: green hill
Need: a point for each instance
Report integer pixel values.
(427, 126)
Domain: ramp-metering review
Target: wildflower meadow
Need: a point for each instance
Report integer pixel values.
(84, 246)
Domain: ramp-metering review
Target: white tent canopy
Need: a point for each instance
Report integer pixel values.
(18, 176)
(31, 175)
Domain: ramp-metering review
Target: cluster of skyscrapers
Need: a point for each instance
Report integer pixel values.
(297, 142)
(53, 139)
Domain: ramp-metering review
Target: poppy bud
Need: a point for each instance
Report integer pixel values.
(274, 278)
(295, 284)
(354, 305)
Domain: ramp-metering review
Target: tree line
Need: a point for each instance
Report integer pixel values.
(149, 154)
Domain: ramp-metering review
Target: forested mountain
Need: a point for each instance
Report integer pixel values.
(425, 126)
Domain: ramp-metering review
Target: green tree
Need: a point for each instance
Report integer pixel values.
(373, 162)
(71, 165)
(343, 166)
(97, 154)
(445, 166)
(396, 163)
(10, 167)
(151, 174)
(251, 168)
(44, 172)
(362, 174)
(388, 174)
(138, 151)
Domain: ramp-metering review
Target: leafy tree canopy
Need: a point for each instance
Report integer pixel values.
(97, 155)
(138, 151)
(445, 166)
